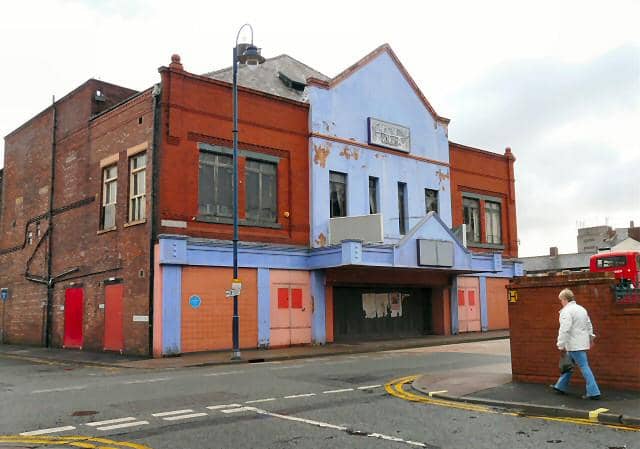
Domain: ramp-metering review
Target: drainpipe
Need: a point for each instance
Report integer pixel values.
(49, 278)
(155, 171)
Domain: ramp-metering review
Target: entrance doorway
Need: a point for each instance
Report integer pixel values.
(290, 308)
(73, 315)
(362, 313)
(113, 323)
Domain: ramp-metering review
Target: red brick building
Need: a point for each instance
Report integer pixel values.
(116, 216)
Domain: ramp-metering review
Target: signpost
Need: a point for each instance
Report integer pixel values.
(4, 295)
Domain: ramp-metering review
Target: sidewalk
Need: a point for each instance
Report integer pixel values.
(491, 385)
(57, 355)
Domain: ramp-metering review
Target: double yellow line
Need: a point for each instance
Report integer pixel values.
(84, 442)
(396, 387)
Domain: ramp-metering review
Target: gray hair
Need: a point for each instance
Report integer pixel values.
(567, 295)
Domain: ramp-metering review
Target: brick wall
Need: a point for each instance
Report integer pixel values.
(81, 142)
(199, 110)
(534, 329)
(485, 173)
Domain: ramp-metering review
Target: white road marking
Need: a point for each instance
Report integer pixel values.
(218, 407)
(342, 390)
(51, 390)
(122, 426)
(45, 431)
(302, 420)
(192, 415)
(335, 427)
(173, 412)
(110, 421)
(146, 381)
(236, 410)
(256, 401)
(366, 387)
(294, 396)
(223, 373)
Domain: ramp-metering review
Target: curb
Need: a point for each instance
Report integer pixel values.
(266, 358)
(542, 410)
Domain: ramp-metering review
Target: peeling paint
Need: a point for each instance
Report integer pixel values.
(442, 176)
(321, 241)
(320, 155)
(348, 153)
(328, 126)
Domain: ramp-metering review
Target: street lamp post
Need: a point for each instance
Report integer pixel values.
(250, 55)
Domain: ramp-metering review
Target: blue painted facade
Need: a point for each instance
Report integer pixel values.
(377, 90)
(339, 142)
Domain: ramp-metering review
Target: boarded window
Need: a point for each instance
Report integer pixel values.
(471, 209)
(137, 187)
(431, 200)
(215, 185)
(261, 190)
(373, 195)
(402, 207)
(109, 196)
(493, 220)
(337, 194)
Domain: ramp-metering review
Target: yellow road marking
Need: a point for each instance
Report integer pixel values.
(593, 414)
(395, 388)
(84, 442)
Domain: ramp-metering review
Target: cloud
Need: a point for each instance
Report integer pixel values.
(573, 128)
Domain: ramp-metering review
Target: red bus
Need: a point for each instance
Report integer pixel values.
(624, 265)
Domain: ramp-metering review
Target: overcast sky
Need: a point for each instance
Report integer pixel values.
(557, 81)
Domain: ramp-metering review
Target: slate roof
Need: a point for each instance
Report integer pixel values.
(265, 77)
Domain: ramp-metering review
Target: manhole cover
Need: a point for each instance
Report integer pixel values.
(83, 413)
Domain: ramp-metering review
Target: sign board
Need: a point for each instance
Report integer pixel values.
(513, 295)
(195, 301)
(4, 294)
(389, 135)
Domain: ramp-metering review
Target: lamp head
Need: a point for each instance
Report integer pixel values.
(249, 55)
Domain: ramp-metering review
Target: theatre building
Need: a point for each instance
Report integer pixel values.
(359, 219)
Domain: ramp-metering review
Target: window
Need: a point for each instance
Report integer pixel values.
(137, 187)
(431, 200)
(337, 194)
(109, 194)
(402, 207)
(471, 210)
(215, 185)
(611, 262)
(261, 190)
(493, 220)
(373, 195)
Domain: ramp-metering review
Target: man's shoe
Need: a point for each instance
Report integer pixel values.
(556, 390)
(593, 398)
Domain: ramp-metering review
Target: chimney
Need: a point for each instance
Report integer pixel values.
(631, 224)
(553, 251)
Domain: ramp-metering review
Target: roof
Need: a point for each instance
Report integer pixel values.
(538, 264)
(266, 76)
(384, 48)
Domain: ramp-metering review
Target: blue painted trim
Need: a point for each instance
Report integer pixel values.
(454, 306)
(264, 307)
(177, 250)
(319, 318)
(484, 312)
(171, 309)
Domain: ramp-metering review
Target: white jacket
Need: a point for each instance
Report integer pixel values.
(575, 331)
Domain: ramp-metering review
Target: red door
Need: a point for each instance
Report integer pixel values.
(73, 313)
(113, 332)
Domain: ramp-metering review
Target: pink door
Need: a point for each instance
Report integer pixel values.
(73, 314)
(290, 315)
(113, 332)
(473, 314)
(462, 310)
(300, 315)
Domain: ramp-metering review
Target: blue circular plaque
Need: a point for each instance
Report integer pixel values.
(195, 301)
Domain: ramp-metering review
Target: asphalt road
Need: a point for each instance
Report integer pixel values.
(331, 402)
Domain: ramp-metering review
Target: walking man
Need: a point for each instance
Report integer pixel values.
(575, 336)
